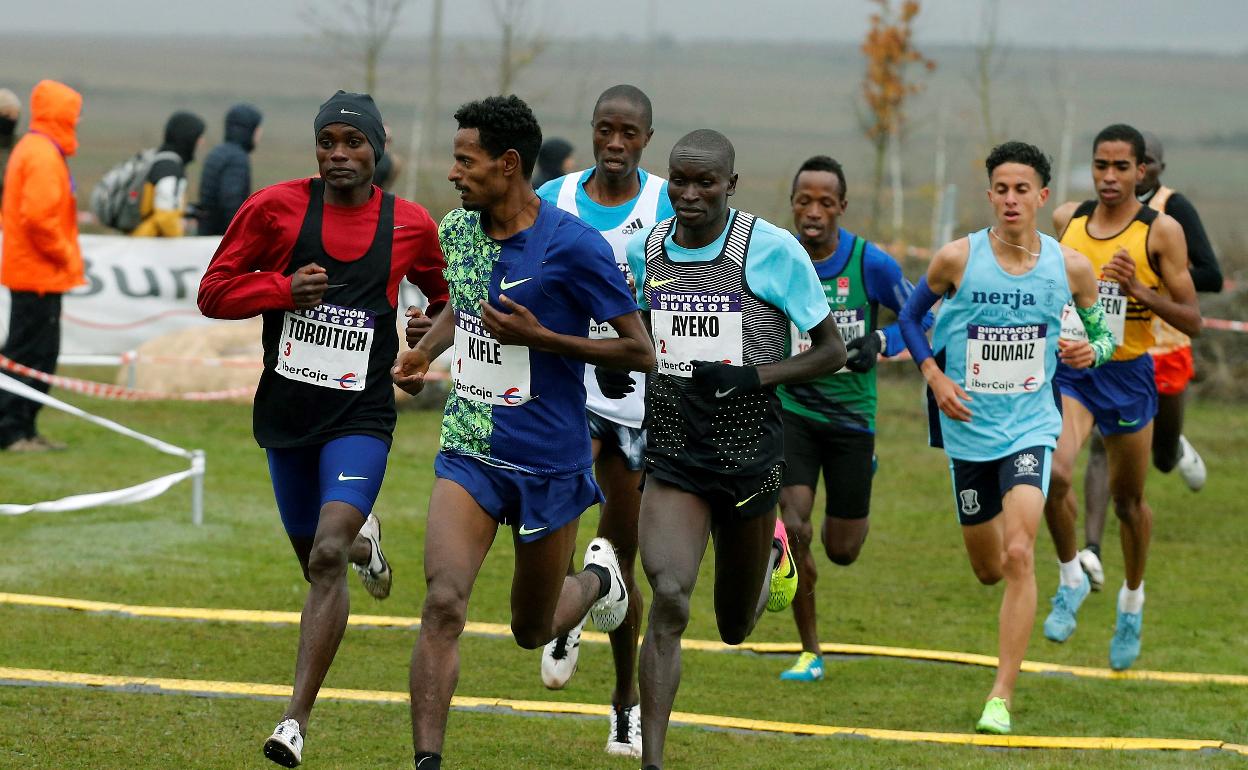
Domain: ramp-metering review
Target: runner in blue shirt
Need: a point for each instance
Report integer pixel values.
(618, 199)
(525, 279)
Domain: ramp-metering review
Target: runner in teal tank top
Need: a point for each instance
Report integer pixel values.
(997, 337)
(829, 423)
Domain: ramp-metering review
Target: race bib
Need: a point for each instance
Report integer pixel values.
(1113, 302)
(485, 370)
(851, 323)
(327, 346)
(691, 326)
(600, 330)
(1005, 359)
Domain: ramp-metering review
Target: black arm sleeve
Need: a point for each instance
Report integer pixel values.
(1206, 275)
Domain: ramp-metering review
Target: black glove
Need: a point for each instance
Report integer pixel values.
(719, 380)
(864, 352)
(614, 383)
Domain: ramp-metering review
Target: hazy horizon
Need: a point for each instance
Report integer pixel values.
(1202, 27)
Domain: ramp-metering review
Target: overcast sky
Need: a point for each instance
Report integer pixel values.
(1206, 26)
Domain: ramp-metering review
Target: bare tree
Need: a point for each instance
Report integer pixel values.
(425, 122)
(356, 29)
(520, 45)
(988, 58)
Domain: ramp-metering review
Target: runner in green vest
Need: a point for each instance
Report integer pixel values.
(829, 423)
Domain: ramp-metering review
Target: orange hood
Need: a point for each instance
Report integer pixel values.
(54, 110)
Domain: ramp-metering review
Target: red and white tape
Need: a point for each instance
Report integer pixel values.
(134, 357)
(1226, 326)
(117, 392)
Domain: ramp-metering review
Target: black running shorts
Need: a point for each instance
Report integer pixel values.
(846, 458)
(731, 497)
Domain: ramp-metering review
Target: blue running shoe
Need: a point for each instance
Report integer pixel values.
(808, 668)
(1060, 623)
(1124, 648)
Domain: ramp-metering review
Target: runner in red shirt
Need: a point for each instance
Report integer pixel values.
(321, 260)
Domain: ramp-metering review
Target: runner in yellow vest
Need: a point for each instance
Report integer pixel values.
(1172, 366)
(1140, 258)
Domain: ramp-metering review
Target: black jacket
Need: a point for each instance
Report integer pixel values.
(225, 181)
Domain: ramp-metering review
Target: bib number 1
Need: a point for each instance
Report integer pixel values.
(485, 370)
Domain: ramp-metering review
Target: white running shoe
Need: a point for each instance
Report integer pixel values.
(559, 658)
(376, 575)
(1191, 466)
(1091, 564)
(285, 745)
(625, 737)
(609, 611)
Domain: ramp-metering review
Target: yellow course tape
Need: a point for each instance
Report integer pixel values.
(700, 645)
(25, 677)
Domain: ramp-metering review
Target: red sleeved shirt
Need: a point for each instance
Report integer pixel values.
(245, 277)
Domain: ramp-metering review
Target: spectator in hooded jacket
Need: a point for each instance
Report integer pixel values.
(163, 205)
(10, 111)
(226, 179)
(40, 259)
(554, 160)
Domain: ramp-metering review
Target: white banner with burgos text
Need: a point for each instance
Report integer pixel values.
(138, 289)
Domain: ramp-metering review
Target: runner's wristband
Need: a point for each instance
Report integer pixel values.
(910, 321)
(1099, 336)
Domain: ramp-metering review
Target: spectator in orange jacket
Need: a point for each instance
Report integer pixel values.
(41, 259)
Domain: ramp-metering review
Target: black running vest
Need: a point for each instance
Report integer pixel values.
(735, 435)
(327, 369)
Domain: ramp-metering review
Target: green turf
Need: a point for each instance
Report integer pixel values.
(911, 587)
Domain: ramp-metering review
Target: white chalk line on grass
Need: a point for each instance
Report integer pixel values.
(500, 630)
(22, 677)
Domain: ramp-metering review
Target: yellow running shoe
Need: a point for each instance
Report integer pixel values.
(784, 576)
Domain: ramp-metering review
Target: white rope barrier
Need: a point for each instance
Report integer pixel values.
(132, 494)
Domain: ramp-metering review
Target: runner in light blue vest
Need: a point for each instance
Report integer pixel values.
(997, 340)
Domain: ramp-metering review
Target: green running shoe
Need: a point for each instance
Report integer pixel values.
(995, 719)
(808, 668)
(784, 576)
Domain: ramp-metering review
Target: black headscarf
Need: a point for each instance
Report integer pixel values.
(550, 160)
(182, 132)
(241, 123)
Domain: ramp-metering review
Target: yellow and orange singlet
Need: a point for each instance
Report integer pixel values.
(1134, 318)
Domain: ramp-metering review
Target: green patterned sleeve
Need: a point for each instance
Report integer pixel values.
(1099, 336)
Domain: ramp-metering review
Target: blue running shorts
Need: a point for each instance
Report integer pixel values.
(534, 505)
(1121, 395)
(348, 469)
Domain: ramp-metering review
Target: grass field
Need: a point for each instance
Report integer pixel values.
(912, 587)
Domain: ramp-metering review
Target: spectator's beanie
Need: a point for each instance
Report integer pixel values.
(357, 111)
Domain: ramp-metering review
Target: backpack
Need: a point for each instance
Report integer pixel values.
(116, 198)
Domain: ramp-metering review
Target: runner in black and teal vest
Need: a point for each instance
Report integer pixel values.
(829, 423)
